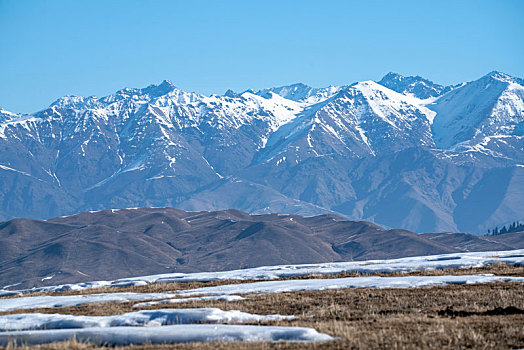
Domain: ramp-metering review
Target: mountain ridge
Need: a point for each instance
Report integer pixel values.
(159, 146)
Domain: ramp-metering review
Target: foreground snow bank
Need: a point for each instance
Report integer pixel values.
(141, 318)
(433, 262)
(166, 335)
(349, 282)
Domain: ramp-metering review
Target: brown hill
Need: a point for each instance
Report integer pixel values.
(113, 244)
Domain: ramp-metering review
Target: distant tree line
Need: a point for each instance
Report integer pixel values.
(514, 227)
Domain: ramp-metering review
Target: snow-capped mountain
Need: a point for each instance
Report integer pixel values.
(490, 107)
(415, 86)
(361, 120)
(404, 152)
(301, 93)
(6, 116)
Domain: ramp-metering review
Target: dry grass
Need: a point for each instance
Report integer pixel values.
(370, 318)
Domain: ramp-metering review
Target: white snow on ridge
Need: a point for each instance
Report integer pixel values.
(492, 105)
(420, 263)
(23, 121)
(33, 321)
(384, 102)
(349, 282)
(166, 335)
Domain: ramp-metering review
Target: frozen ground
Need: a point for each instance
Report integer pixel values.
(433, 262)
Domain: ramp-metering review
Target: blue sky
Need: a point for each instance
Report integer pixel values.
(53, 48)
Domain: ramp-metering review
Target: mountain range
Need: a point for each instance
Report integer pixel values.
(400, 152)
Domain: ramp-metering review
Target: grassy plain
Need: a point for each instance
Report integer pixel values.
(483, 316)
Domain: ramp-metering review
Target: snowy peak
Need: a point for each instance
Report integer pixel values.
(76, 102)
(6, 116)
(385, 119)
(391, 106)
(490, 106)
(301, 93)
(363, 119)
(230, 93)
(164, 88)
(373, 91)
(503, 77)
(295, 92)
(413, 85)
(159, 90)
(495, 77)
(151, 92)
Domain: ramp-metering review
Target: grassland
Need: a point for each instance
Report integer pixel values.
(484, 316)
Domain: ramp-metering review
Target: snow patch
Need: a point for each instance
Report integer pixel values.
(57, 301)
(122, 336)
(350, 282)
(33, 321)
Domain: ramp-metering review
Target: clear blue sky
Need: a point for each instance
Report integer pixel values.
(53, 48)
